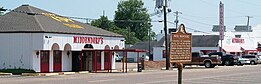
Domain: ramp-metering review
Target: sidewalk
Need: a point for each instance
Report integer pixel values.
(53, 73)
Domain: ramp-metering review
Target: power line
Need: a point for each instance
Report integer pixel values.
(196, 21)
(209, 17)
(230, 10)
(245, 2)
(197, 16)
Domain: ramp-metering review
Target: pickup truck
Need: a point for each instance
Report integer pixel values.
(209, 61)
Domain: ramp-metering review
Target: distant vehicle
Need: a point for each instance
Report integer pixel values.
(242, 61)
(146, 58)
(253, 59)
(209, 61)
(118, 58)
(230, 60)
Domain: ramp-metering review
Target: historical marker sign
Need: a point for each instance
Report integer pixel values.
(180, 45)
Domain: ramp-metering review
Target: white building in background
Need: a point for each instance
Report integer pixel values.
(239, 42)
(52, 43)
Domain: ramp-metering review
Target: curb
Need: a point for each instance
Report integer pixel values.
(40, 74)
(69, 73)
(49, 74)
(4, 74)
(30, 74)
(83, 72)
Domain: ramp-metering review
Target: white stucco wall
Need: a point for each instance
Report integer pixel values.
(17, 50)
(66, 61)
(157, 53)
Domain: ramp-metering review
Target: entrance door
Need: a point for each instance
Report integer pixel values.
(87, 60)
(57, 60)
(107, 60)
(98, 60)
(76, 58)
(44, 61)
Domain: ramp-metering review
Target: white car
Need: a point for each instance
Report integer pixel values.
(242, 61)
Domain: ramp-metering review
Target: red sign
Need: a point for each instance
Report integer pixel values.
(221, 20)
(238, 40)
(89, 40)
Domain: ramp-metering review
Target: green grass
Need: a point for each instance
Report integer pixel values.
(16, 71)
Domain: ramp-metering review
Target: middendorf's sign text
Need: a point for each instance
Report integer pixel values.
(180, 46)
(89, 40)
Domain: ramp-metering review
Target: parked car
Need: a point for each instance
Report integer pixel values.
(227, 59)
(118, 58)
(242, 61)
(253, 59)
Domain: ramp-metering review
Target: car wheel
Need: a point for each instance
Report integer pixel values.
(252, 62)
(208, 64)
(240, 64)
(227, 63)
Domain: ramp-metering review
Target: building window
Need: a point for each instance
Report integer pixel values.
(163, 54)
(57, 56)
(44, 56)
(238, 36)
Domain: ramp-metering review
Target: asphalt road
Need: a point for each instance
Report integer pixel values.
(247, 74)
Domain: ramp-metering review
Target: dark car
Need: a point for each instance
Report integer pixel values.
(227, 59)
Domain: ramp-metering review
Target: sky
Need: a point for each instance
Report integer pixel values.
(198, 15)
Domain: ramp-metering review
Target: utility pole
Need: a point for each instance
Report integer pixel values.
(177, 18)
(149, 42)
(248, 28)
(166, 36)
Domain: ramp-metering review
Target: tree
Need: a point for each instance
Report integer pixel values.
(131, 15)
(108, 25)
(102, 22)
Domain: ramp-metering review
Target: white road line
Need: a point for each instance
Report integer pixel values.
(101, 80)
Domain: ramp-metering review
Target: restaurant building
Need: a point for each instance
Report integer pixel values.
(46, 42)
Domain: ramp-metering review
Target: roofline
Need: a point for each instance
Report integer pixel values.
(56, 33)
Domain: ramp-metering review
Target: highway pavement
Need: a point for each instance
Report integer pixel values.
(247, 74)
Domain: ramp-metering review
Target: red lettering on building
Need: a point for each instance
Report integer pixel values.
(88, 40)
(75, 39)
(238, 40)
